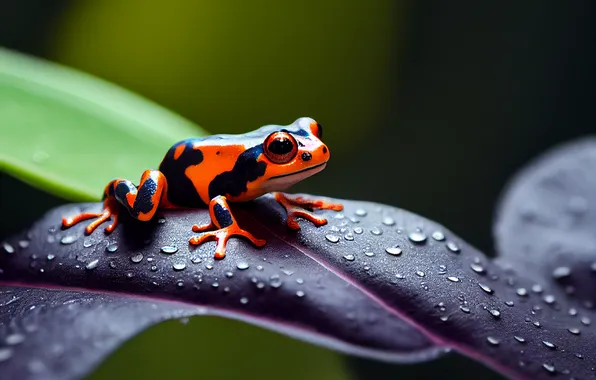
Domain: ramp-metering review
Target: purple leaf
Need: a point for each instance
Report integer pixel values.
(547, 221)
(276, 287)
(376, 281)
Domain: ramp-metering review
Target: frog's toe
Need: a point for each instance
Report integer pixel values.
(100, 217)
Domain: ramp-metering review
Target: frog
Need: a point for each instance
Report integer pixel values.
(218, 170)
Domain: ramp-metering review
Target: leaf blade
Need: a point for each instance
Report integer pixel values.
(70, 133)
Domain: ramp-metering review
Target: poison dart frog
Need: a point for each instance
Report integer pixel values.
(214, 170)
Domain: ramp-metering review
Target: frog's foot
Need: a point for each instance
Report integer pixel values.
(110, 210)
(225, 227)
(300, 207)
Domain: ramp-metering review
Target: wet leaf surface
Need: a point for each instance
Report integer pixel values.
(277, 287)
(376, 281)
(547, 220)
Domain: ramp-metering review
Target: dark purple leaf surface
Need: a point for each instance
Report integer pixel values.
(547, 220)
(376, 281)
(59, 334)
(276, 287)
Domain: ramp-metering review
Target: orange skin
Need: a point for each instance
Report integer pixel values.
(209, 172)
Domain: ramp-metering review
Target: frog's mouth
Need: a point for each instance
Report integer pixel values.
(321, 165)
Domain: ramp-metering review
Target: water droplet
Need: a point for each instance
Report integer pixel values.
(5, 354)
(522, 292)
(300, 293)
(574, 330)
(549, 299)
(209, 266)
(593, 266)
(332, 238)
(153, 268)
(259, 268)
(7, 247)
(420, 273)
(14, 339)
(477, 268)
(417, 237)
(361, 212)
(495, 313)
(376, 231)
(453, 279)
(452, 247)
(299, 281)
(509, 303)
(180, 284)
(536, 288)
(561, 272)
(438, 236)
(349, 257)
(549, 367)
(536, 323)
(349, 236)
(50, 257)
(519, 339)
(287, 272)
(465, 309)
(244, 300)
(492, 341)
(111, 248)
(242, 265)
(549, 344)
(68, 239)
(23, 244)
(579, 356)
(572, 311)
(275, 281)
(92, 264)
(215, 285)
(388, 221)
(169, 249)
(577, 205)
(196, 260)
(137, 258)
(179, 266)
(486, 288)
(229, 274)
(444, 318)
(369, 254)
(395, 251)
(586, 321)
(358, 230)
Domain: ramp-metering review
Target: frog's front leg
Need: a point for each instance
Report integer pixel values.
(141, 202)
(298, 206)
(225, 226)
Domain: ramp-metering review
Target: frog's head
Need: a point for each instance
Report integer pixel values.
(292, 153)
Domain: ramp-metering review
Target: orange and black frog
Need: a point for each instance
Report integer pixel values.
(212, 171)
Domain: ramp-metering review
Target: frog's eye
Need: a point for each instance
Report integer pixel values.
(280, 147)
(316, 129)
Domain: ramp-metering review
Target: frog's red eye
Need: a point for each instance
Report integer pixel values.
(280, 147)
(316, 129)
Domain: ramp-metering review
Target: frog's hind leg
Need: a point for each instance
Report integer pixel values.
(140, 201)
(224, 225)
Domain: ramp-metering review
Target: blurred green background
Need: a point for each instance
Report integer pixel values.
(429, 106)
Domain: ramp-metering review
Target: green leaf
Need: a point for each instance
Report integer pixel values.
(69, 133)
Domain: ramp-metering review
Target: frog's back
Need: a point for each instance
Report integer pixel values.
(181, 191)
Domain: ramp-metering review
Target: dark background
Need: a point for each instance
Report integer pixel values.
(429, 106)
